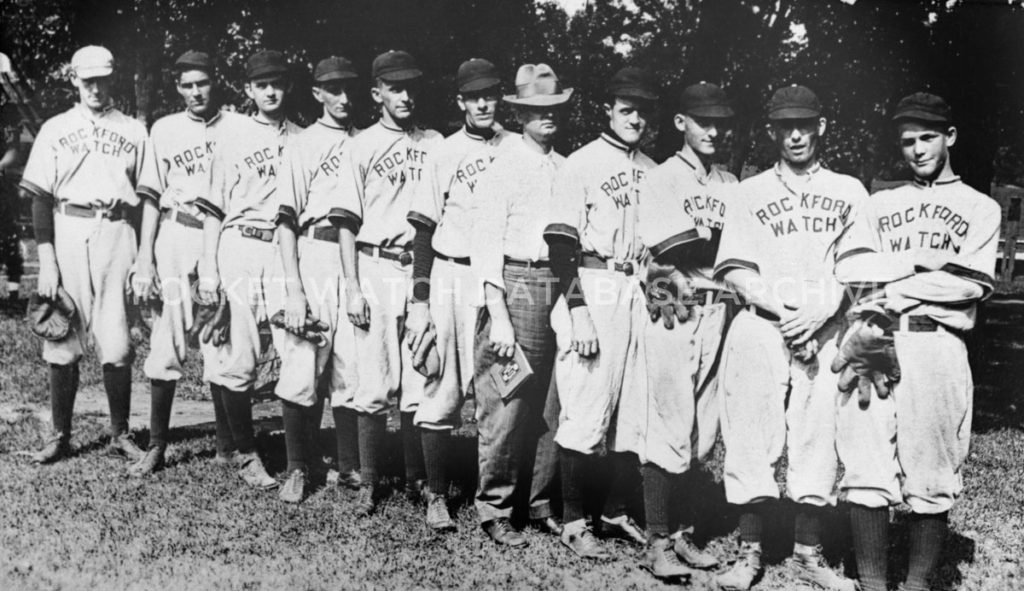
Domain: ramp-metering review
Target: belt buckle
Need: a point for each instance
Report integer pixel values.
(405, 258)
(628, 268)
(248, 231)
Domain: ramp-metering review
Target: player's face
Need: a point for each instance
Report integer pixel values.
(397, 98)
(195, 86)
(926, 149)
(701, 133)
(334, 96)
(268, 94)
(797, 139)
(627, 118)
(479, 107)
(540, 123)
(94, 93)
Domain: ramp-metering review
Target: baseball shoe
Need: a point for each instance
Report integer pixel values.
(501, 531)
(351, 479)
(547, 525)
(253, 472)
(414, 489)
(293, 489)
(744, 572)
(225, 458)
(366, 502)
(579, 537)
(689, 553)
(150, 463)
(124, 446)
(812, 569)
(662, 562)
(623, 527)
(57, 446)
(438, 518)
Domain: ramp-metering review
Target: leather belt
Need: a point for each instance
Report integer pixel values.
(703, 296)
(402, 256)
(325, 233)
(763, 313)
(593, 261)
(456, 260)
(917, 324)
(528, 264)
(185, 219)
(115, 213)
(256, 233)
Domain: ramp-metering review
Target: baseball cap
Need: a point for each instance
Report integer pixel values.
(923, 106)
(193, 60)
(395, 66)
(92, 61)
(794, 102)
(334, 68)
(633, 83)
(477, 74)
(266, 63)
(537, 86)
(705, 100)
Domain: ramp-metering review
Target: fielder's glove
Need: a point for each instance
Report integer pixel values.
(669, 294)
(211, 322)
(312, 329)
(867, 354)
(51, 319)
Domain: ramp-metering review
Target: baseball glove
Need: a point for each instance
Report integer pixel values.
(51, 319)
(669, 294)
(211, 323)
(312, 331)
(867, 354)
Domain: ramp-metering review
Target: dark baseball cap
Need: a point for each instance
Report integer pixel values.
(794, 102)
(923, 106)
(477, 74)
(265, 64)
(630, 82)
(334, 68)
(193, 60)
(705, 100)
(395, 66)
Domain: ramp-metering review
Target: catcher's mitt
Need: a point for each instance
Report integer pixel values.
(867, 354)
(51, 319)
(669, 294)
(312, 330)
(211, 323)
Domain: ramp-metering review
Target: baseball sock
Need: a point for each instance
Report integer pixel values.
(295, 423)
(238, 407)
(752, 523)
(574, 471)
(807, 530)
(412, 450)
(117, 381)
(371, 443)
(869, 528)
(225, 442)
(161, 395)
(625, 475)
(436, 452)
(63, 388)
(657, 493)
(314, 416)
(683, 512)
(346, 433)
(927, 534)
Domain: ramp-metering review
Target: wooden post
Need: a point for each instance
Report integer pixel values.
(1009, 251)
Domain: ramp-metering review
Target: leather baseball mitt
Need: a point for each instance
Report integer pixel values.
(51, 319)
(867, 354)
(668, 294)
(312, 330)
(211, 322)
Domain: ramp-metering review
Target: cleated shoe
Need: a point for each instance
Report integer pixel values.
(294, 488)
(152, 462)
(253, 472)
(744, 572)
(501, 531)
(689, 553)
(812, 569)
(351, 480)
(57, 447)
(579, 537)
(415, 489)
(123, 446)
(662, 562)
(623, 527)
(438, 518)
(547, 525)
(367, 501)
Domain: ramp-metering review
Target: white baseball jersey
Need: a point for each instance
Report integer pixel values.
(946, 217)
(87, 159)
(309, 173)
(244, 170)
(681, 203)
(176, 171)
(596, 194)
(453, 178)
(384, 169)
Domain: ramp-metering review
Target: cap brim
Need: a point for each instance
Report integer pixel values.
(918, 115)
(541, 100)
(94, 72)
(401, 75)
(480, 84)
(335, 76)
(711, 111)
(636, 93)
(794, 113)
(271, 72)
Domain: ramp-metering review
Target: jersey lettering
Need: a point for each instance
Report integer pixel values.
(465, 174)
(395, 166)
(101, 140)
(622, 187)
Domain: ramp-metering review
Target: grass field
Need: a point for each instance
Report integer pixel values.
(83, 524)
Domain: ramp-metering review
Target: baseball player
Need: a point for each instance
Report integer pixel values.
(386, 166)
(510, 262)
(444, 297)
(681, 216)
(175, 174)
(600, 371)
(82, 174)
(311, 273)
(243, 180)
(931, 245)
(778, 253)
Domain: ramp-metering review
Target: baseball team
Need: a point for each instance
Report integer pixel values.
(657, 306)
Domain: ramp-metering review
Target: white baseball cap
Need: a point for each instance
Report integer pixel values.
(92, 61)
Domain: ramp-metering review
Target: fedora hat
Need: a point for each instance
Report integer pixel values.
(537, 86)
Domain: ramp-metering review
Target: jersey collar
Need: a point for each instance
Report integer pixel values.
(395, 129)
(207, 122)
(88, 114)
(702, 178)
(616, 143)
(923, 184)
(476, 135)
(330, 124)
